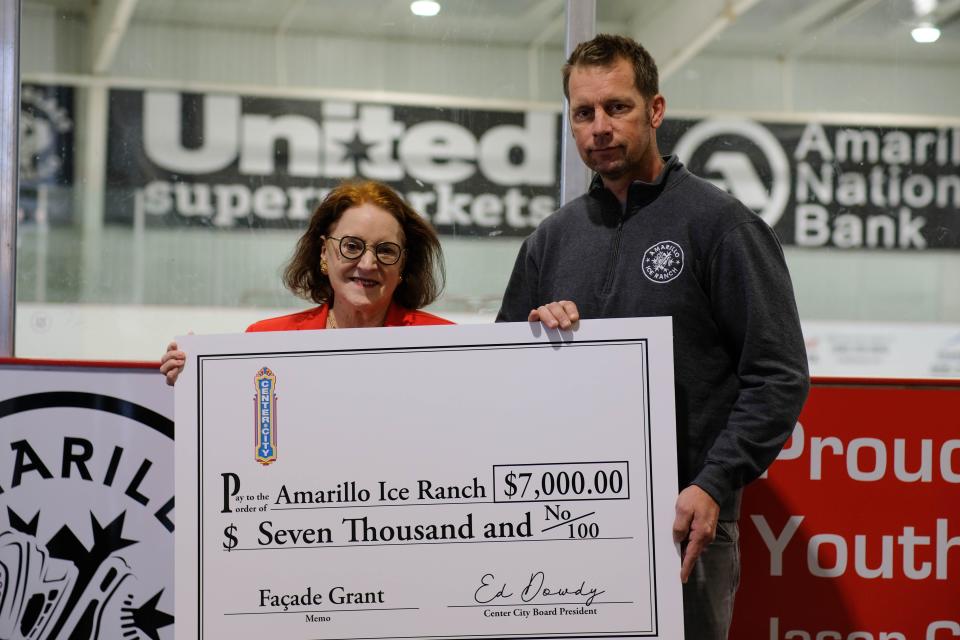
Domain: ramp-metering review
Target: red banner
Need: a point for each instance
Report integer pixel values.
(855, 532)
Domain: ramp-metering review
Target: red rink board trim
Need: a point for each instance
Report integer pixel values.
(97, 364)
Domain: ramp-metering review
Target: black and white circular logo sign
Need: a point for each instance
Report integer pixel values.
(663, 262)
(44, 123)
(86, 513)
(743, 158)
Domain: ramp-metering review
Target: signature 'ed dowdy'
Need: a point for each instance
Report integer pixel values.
(487, 592)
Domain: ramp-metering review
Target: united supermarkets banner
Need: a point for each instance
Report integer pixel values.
(234, 162)
(231, 161)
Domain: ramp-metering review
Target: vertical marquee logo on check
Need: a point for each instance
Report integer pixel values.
(266, 416)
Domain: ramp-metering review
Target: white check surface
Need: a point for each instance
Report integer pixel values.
(430, 482)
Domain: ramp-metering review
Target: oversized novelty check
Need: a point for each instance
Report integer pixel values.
(428, 482)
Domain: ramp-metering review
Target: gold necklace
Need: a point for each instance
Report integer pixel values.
(332, 320)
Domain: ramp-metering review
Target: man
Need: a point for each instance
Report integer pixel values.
(651, 239)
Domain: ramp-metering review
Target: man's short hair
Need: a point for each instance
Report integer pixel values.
(604, 50)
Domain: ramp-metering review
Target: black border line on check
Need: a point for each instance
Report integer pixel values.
(645, 367)
(199, 366)
(652, 540)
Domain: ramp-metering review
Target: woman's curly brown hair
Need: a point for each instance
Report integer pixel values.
(423, 271)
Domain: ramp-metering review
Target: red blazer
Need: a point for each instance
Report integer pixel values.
(316, 318)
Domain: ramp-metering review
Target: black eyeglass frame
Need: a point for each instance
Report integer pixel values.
(375, 249)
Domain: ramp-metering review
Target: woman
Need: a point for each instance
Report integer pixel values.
(367, 258)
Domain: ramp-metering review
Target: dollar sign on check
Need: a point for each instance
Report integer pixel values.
(231, 539)
(511, 489)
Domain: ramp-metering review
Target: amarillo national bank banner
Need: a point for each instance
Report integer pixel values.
(230, 161)
(820, 185)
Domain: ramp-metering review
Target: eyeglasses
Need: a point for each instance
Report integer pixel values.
(386, 253)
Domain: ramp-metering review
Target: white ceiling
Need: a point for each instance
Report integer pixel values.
(864, 30)
(872, 30)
